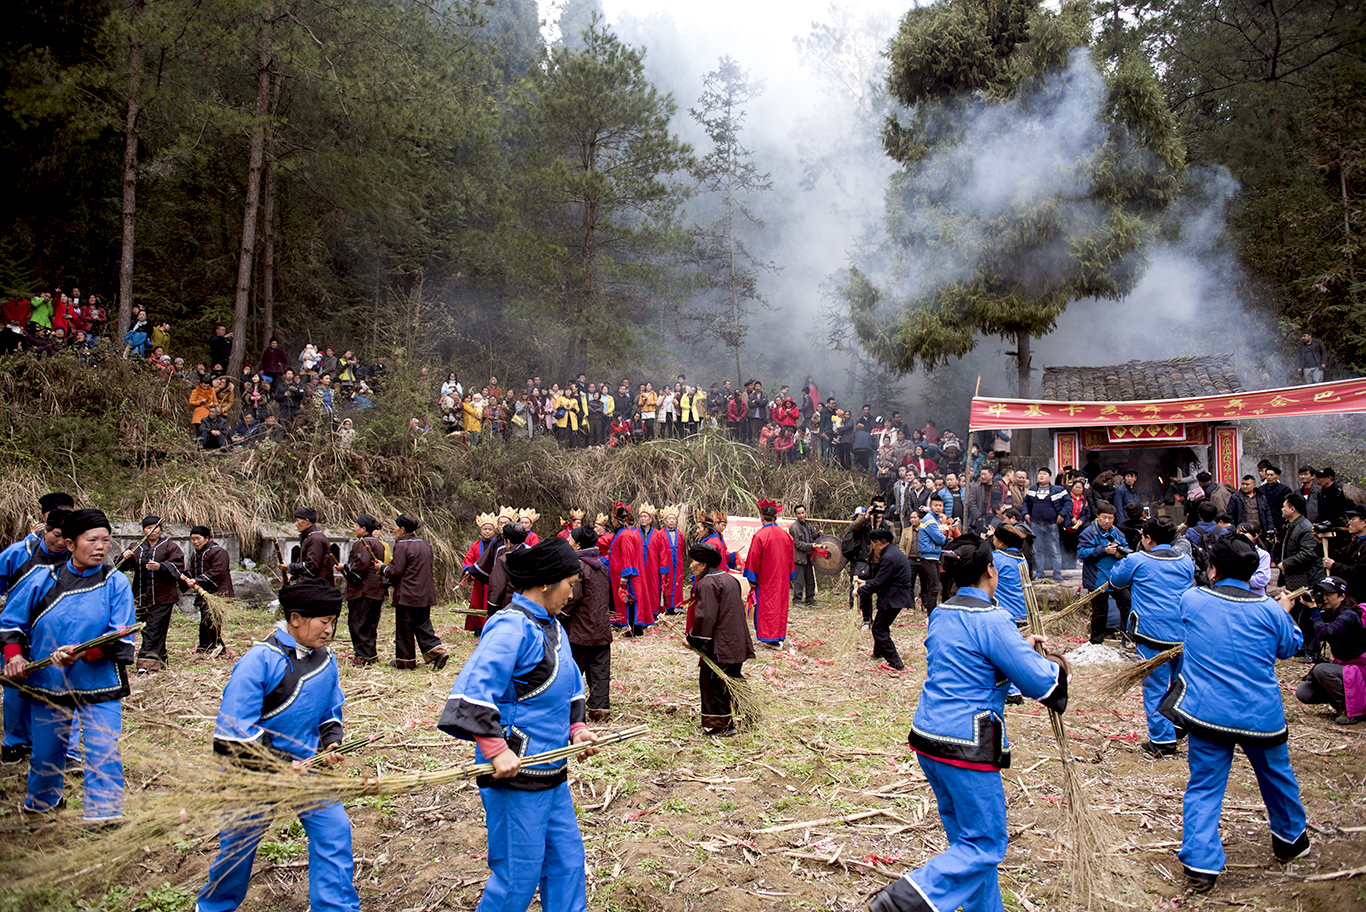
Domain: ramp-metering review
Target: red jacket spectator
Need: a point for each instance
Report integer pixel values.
(16, 312)
(787, 414)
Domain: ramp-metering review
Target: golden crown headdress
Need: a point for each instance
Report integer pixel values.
(486, 519)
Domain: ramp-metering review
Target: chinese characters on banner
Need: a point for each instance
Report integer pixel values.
(1315, 399)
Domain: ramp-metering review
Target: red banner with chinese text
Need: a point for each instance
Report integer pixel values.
(1314, 399)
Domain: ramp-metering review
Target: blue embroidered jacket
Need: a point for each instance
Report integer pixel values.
(974, 652)
(522, 685)
(1157, 580)
(281, 699)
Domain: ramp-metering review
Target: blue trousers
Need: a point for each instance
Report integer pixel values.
(1160, 728)
(101, 724)
(534, 841)
(1201, 848)
(331, 869)
(19, 724)
(1047, 550)
(972, 806)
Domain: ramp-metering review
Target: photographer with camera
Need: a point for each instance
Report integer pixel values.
(1100, 546)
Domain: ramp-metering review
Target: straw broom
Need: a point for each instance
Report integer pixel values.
(1118, 683)
(217, 607)
(1090, 835)
(102, 640)
(745, 701)
(1051, 622)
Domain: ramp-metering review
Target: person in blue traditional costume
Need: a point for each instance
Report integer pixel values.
(66, 605)
(282, 703)
(974, 652)
(1227, 695)
(1012, 569)
(22, 564)
(1157, 577)
(519, 694)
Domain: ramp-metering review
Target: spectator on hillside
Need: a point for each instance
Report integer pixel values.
(1313, 358)
(223, 394)
(161, 336)
(256, 396)
(331, 365)
(289, 397)
(201, 397)
(220, 346)
(214, 432)
(309, 361)
(274, 361)
(248, 431)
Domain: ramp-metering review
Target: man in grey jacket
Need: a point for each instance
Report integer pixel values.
(803, 543)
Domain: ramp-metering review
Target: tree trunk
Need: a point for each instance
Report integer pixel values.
(130, 180)
(268, 228)
(253, 198)
(1025, 390)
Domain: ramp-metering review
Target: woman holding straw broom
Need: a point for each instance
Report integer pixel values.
(974, 652)
(520, 693)
(283, 701)
(1227, 695)
(210, 569)
(719, 630)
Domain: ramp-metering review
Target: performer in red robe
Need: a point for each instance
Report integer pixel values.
(769, 565)
(568, 526)
(649, 584)
(671, 557)
(479, 593)
(603, 526)
(528, 517)
(626, 561)
(708, 533)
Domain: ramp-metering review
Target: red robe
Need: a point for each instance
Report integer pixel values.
(479, 593)
(649, 584)
(671, 564)
(626, 561)
(532, 539)
(769, 564)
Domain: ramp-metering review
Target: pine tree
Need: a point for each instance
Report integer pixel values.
(974, 257)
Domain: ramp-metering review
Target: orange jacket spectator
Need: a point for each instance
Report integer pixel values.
(200, 399)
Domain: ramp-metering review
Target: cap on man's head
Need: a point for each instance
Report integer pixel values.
(1358, 511)
(306, 513)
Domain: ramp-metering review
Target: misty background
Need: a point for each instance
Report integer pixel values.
(816, 130)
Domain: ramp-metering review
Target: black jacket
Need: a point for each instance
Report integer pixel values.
(894, 582)
(1301, 561)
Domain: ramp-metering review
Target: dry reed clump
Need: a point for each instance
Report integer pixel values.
(20, 488)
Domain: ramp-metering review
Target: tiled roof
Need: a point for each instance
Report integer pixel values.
(1175, 378)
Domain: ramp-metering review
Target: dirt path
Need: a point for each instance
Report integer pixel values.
(676, 822)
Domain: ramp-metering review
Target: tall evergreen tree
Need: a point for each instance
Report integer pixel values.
(597, 192)
(730, 173)
(1032, 175)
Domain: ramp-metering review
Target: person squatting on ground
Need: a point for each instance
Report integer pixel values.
(769, 567)
(157, 564)
(974, 652)
(284, 699)
(894, 586)
(1341, 683)
(717, 627)
(1226, 695)
(1156, 577)
(587, 620)
(520, 693)
(410, 573)
(69, 604)
(364, 590)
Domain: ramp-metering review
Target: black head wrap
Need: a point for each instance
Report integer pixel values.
(307, 513)
(705, 554)
(310, 597)
(78, 521)
(514, 533)
(49, 502)
(967, 559)
(201, 530)
(408, 523)
(56, 516)
(1009, 535)
(585, 537)
(367, 522)
(548, 562)
(1234, 557)
(151, 521)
